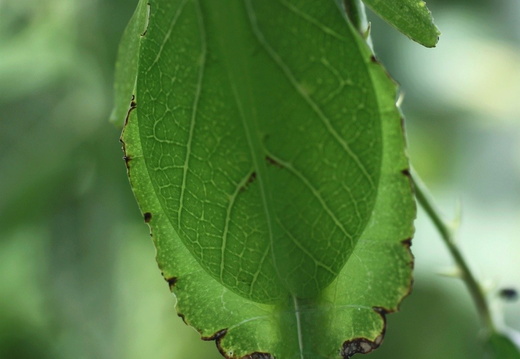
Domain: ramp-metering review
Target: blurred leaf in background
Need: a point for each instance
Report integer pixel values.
(79, 278)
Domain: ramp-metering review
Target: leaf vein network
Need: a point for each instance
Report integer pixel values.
(168, 34)
(314, 192)
(198, 90)
(231, 203)
(302, 92)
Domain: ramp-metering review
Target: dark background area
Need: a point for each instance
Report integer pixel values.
(79, 279)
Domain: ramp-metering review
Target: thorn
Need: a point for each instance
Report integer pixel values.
(400, 98)
(453, 272)
(366, 34)
(457, 219)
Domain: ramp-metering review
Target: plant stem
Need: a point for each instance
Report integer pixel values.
(355, 10)
(447, 235)
(356, 13)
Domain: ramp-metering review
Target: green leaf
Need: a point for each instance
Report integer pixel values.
(127, 60)
(411, 17)
(501, 346)
(266, 153)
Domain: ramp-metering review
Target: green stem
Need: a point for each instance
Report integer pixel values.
(355, 10)
(447, 235)
(356, 14)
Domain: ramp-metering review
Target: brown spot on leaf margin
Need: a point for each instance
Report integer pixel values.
(406, 172)
(364, 345)
(360, 346)
(127, 157)
(180, 315)
(147, 217)
(258, 355)
(407, 242)
(171, 282)
(219, 335)
(133, 106)
(148, 11)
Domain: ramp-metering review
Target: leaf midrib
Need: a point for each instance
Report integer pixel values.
(238, 72)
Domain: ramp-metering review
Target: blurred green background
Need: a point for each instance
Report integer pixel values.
(78, 274)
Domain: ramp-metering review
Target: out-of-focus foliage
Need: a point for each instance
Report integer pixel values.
(78, 275)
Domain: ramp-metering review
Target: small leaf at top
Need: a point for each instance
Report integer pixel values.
(411, 17)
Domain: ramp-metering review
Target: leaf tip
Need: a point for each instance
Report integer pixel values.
(433, 38)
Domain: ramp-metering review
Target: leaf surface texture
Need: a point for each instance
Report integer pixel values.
(266, 153)
(411, 17)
